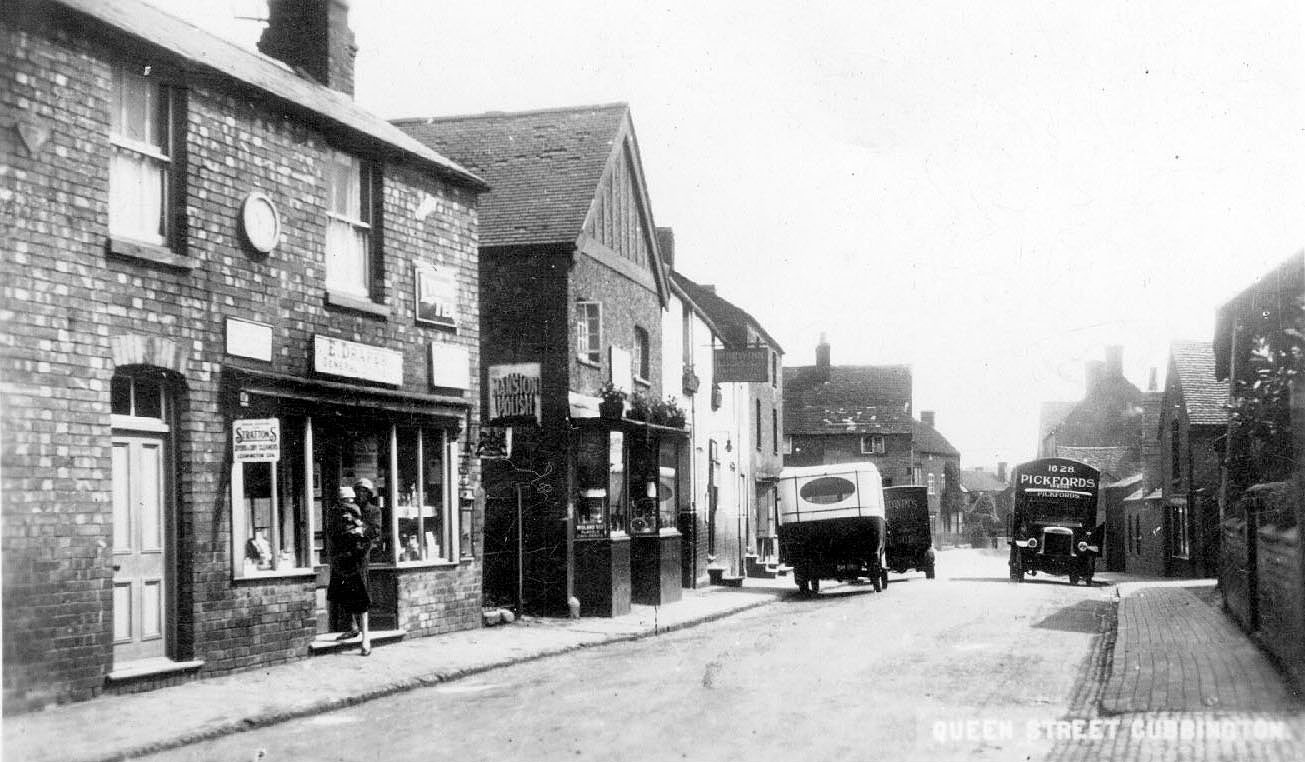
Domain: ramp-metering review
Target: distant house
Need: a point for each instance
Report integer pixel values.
(987, 493)
(1193, 418)
(848, 413)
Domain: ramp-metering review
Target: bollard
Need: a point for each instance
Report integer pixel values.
(573, 607)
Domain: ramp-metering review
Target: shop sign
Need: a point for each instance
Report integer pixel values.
(741, 365)
(450, 366)
(514, 391)
(350, 359)
(252, 340)
(494, 442)
(256, 440)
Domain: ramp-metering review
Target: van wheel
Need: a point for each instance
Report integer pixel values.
(879, 583)
(928, 572)
(1073, 579)
(815, 585)
(884, 575)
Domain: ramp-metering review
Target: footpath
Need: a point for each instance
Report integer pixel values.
(124, 726)
(1183, 682)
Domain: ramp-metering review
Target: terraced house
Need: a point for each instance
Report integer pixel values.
(230, 290)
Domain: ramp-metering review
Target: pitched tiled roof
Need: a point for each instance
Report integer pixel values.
(926, 438)
(1206, 397)
(544, 166)
(981, 481)
(1114, 463)
(867, 399)
(722, 312)
(204, 51)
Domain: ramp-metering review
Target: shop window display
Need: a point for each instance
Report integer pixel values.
(270, 522)
(422, 501)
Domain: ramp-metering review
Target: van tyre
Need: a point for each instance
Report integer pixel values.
(928, 572)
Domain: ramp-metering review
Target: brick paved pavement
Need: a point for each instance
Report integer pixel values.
(1179, 681)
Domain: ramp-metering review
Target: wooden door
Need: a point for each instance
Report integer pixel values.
(140, 553)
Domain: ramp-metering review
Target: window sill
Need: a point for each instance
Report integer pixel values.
(438, 326)
(357, 304)
(440, 564)
(150, 252)
(282, 574)
(589, 363)
(645, 383)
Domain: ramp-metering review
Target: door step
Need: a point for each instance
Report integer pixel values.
(327, 643)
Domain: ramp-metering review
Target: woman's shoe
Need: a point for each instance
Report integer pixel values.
(348, 635)
(365, 651)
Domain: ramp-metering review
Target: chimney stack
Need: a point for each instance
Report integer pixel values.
(927, 418)
(1094, 371)
(1115, 361)
(313, 36)
(822, 359)
(1152, 380)
(1001, 470)
(666, 245)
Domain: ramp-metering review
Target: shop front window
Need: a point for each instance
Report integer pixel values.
(593, 476)
(422, 512)
(644, 487)
(270, 523)
(617, 506)
(668, 486)
(281, 506)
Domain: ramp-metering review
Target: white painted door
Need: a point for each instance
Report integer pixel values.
(139, 549)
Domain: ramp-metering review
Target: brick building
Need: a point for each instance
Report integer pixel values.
(1193, 419)
(573, 288)
(229, 291)
(847, 413)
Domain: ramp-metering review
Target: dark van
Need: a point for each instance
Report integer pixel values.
(910, 539)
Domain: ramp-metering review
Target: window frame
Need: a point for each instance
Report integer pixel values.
(878, 445)
(241, 532)
(163, 119)
(589, 343)
(367, 226)
(642, 365)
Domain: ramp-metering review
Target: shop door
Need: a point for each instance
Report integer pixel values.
(326, 478)
(140, 555)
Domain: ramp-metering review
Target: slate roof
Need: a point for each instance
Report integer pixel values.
(926, 438)
(1206, 397)
(544, 166)
(722, 312)
(205, 52)
(1114, 463)
(981, 481)
(864, 399)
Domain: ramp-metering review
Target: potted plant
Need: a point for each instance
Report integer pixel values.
(611, 400)
(640, 407)
(668, 413)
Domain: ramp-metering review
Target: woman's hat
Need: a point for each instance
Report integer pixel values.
(365, 483)
(345, 492)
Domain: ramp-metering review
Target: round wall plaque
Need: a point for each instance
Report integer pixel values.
(261, 222)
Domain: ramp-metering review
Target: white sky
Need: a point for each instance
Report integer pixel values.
(991, 192)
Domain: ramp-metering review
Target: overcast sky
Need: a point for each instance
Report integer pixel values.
(991, 192)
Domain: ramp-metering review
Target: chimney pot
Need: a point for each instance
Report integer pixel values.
(1114, 361)
(822, 359)
(1001, 470)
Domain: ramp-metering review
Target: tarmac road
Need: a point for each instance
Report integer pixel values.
(967, 666)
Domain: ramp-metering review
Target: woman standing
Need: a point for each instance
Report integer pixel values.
(351, 541)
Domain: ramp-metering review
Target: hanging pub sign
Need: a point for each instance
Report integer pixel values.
(256, 440)
(741, 365)
(514, 391)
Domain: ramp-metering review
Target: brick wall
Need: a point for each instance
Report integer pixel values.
(895, 462)
(68, 308)
(626, 304)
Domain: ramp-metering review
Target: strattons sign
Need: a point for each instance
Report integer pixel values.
(514, 391)
(741, 365)
(256, 440)
(350, 359)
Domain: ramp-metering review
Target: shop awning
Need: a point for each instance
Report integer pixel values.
(343, 395)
